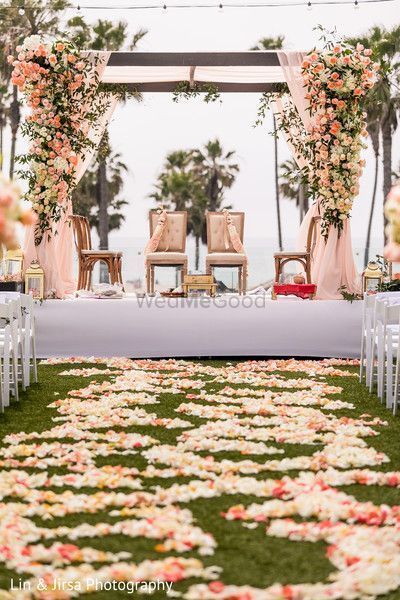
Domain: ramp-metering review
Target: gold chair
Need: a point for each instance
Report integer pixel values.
(221, 252)
(87, 257)
(171, 247)
(304, 258)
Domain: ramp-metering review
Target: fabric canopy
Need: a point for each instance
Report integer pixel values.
(226, 74)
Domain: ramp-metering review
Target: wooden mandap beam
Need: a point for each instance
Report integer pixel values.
(194, 59)
(221, 87)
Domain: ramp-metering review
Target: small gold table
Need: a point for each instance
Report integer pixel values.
(199, 282)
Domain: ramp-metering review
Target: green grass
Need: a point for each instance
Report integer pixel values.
(246, 556)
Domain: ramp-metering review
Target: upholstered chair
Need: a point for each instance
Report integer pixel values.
(87, 257)
(167, 243)
(225, 244)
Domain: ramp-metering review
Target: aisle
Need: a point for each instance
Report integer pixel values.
(258, 480)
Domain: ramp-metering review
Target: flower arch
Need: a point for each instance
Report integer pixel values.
(322, 118)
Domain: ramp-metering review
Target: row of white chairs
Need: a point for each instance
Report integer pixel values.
(18, 364)
(380, 346)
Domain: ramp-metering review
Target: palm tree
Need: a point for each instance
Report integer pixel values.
(217, 170)
(293, 187)
(39, 17)
(195, 180)
(270, 43)
(103, 35)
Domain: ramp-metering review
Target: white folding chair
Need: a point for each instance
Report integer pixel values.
(385, 341)
(366, 336)
(378, 302)
(29, 337)
(27, 332)
(8, 353)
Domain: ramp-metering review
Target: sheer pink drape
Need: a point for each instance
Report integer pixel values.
(332, 260)
(56, 254)
(333, 263)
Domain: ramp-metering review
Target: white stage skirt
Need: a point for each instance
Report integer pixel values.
(225, 326)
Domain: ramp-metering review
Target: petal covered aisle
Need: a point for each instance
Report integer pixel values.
(262, 480)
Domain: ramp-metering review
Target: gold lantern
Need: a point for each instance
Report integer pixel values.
(14, 264)
(34, 281)
(372, 277)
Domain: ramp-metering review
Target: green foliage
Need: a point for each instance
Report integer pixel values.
(349, 296)
(185, 90)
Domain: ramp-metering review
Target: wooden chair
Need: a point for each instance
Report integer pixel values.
(304, 258)
(88, 257)
(171, 248)
(221, 253)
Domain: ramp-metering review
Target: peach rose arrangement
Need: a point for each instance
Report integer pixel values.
(335, 80)
(12, 212)
(392, 213)
(60, 87)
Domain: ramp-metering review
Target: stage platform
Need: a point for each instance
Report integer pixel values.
(198, 327)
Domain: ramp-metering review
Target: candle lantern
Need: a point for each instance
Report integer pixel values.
(372, 277)
(34, 281)
(14, 264)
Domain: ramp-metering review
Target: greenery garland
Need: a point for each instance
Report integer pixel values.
(186, 90)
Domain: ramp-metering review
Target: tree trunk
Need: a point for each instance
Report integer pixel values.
(197, 255)
(300, 200)
(386, 128)
(278, 207)
(371, 212)
(15, 116)
(102, 200)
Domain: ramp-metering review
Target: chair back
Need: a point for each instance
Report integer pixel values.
(218, 239)
(173, 238)
(83, 240)
(312, 233)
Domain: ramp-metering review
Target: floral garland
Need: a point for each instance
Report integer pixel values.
(335, 79)
(60, 86)
(12, 212)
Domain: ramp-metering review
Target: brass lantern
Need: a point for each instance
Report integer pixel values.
(34, 281)
(14, 263)
(372, 277)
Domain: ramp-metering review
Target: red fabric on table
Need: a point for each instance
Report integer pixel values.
(302, 290)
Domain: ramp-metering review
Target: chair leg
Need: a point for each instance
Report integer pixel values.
(244, 282)
(277, 269)
(119, 271)
(34, 359)
(308, 269)
(148, 278)
(152, 278)
(240, 280)
(183, 272)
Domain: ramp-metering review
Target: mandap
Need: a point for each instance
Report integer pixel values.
(316, 97)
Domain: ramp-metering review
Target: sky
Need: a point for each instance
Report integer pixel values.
(144, 133)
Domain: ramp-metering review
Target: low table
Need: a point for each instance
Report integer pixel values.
(199, 282)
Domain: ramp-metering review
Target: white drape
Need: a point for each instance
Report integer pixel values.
(228, 74)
